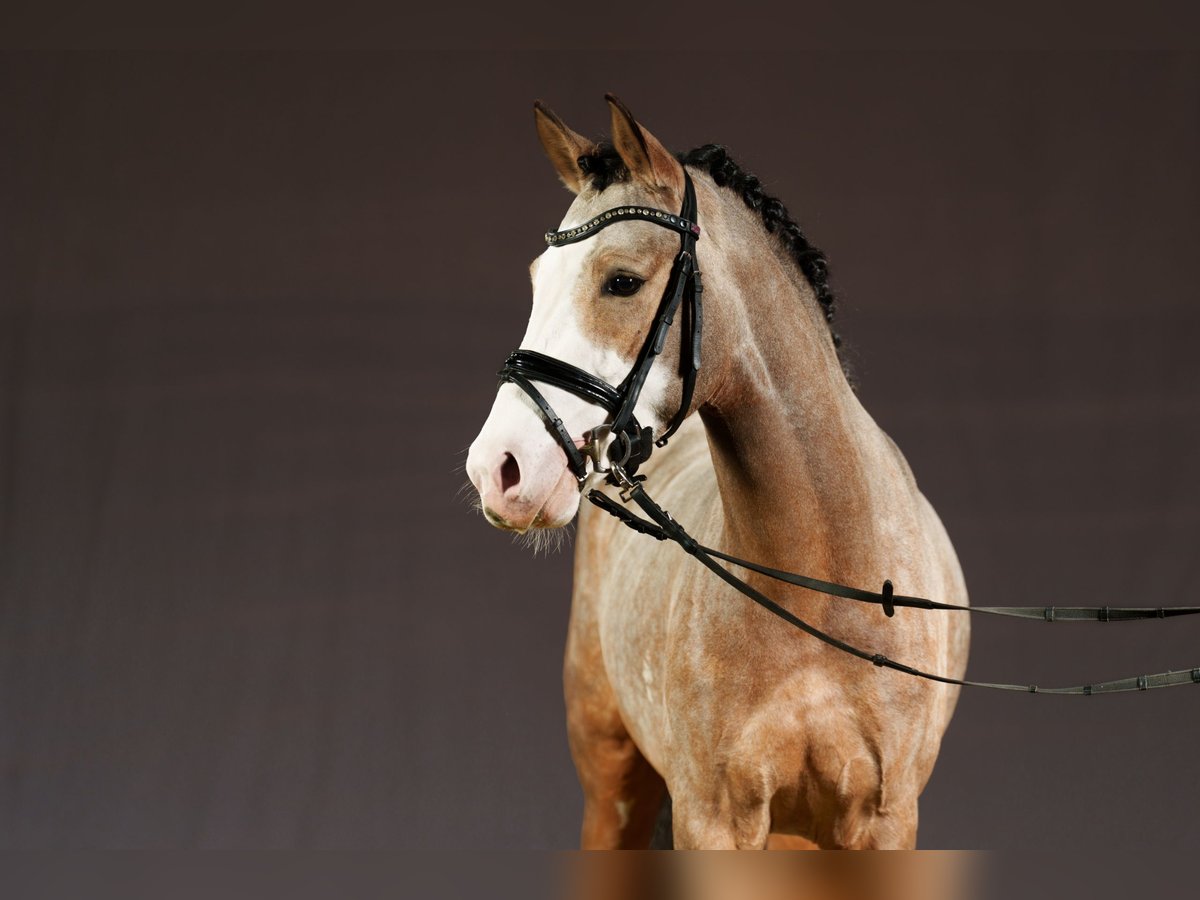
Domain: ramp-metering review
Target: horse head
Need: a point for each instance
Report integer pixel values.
(599, 295)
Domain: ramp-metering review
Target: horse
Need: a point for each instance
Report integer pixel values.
(680, 694)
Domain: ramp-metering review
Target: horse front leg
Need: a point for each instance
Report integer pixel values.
(704, 826)
(727, 808)
(622, 793)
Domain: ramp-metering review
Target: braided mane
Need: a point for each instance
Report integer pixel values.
(605, 167)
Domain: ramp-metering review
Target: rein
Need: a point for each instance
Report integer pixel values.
(632, 444)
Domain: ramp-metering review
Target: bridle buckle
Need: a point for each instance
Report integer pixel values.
(624, 481)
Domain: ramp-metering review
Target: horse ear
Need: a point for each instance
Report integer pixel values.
(562, 145)
(647, 159)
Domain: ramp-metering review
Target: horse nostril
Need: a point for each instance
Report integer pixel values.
(510, 473)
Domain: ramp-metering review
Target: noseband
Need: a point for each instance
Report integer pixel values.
(631, 444)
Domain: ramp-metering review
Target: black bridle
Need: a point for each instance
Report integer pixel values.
(632, 444)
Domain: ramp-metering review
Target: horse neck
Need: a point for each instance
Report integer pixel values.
(796, 456)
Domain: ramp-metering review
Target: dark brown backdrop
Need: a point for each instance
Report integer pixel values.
(251, 310)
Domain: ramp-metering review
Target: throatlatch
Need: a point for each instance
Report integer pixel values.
(632, 445)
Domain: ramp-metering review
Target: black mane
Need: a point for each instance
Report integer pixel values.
(605, 167)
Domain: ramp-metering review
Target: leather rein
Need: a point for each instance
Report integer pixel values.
(631, 445)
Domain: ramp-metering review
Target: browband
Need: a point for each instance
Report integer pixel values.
(622, 214)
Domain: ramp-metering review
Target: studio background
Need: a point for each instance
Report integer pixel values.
(251, 310)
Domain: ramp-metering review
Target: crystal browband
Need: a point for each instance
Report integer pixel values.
(622, 213)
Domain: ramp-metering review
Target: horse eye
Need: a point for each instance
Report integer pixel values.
(623, 285)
